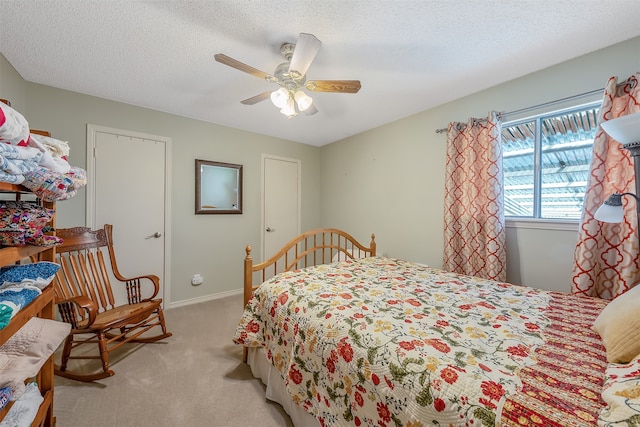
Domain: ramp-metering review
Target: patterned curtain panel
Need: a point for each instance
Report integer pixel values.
(606, 255)
(474, 232)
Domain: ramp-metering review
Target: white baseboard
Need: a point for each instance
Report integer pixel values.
(204, 298)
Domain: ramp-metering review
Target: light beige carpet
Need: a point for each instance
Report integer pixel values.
(194, 378)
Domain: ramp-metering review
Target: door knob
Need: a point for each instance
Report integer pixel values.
(270, 230)
(155, 235)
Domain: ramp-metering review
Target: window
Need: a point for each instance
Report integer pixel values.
(546, 162)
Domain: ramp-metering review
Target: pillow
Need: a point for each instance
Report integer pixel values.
(619, 327)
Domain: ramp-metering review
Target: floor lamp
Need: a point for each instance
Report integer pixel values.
(625, 130)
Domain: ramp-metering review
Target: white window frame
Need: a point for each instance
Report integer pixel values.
(535, 222)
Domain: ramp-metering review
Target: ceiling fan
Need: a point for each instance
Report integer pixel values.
(291, 76)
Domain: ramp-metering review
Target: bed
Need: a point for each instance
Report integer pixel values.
(344, 337)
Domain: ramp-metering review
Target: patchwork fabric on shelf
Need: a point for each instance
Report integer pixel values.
(51, 186)
(22, 223)
(12, 238)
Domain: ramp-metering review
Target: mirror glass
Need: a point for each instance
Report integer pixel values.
(218, 188)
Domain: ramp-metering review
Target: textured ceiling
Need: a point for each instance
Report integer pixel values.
(409, 55)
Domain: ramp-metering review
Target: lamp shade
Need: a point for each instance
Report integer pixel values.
(625, 129)
(289, 109)
(303, 100)
(608, 213)
(611, 210)
(280, 97)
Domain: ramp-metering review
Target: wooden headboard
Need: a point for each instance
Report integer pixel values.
(314, 247)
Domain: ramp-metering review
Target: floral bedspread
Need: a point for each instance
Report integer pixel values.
(386, 342)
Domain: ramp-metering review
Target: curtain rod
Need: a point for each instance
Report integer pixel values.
(545, 104)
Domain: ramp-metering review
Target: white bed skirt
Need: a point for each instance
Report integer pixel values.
(263, 369)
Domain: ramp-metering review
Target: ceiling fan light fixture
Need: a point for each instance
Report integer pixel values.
(280, 97)
(291, 77)
(289, 109)
(303, 100)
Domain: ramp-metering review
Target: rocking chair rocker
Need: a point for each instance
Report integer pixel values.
(85, 300)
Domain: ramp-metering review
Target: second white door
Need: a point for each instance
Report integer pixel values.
(281, 182)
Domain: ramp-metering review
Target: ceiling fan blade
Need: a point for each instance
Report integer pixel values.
(311, 110)
(226, 60)
(341, 86)
(257, 98)
(306, 50)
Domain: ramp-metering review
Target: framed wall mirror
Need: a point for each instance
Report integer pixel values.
(218, 188)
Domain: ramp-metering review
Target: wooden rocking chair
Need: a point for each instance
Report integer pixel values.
(85, 300)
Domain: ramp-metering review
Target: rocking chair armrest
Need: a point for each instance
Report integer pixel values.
(152, 277)
(83, 303)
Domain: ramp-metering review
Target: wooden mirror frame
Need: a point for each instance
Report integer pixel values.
(212, 210)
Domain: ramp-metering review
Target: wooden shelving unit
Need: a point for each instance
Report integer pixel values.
(43, 307)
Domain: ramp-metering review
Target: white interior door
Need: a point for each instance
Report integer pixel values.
(281, 181)
(130, 189)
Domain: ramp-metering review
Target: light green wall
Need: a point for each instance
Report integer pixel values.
(390, 180)
(211, 245)
(12, 86)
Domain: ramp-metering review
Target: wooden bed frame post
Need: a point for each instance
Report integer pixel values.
(248, 275)
(372, 246)
(248, 289)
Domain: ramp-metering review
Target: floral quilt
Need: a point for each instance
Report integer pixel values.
(386, 342)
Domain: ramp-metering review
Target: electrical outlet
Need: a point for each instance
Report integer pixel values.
(197, 280)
